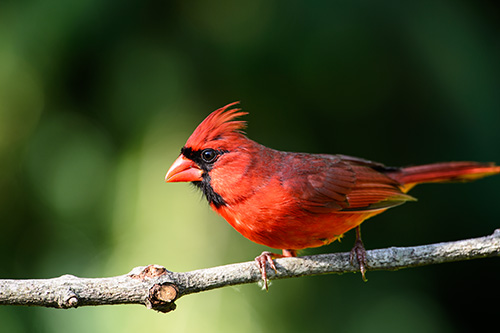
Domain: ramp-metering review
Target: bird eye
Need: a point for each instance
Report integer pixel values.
(208, 155)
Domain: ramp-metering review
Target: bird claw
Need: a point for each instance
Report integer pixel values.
(262, 261)
(359, 252)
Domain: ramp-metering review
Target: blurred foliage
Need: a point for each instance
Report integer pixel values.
(97, 97)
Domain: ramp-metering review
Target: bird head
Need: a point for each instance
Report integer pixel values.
(215, 146)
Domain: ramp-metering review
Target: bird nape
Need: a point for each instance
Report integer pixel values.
(292, 201)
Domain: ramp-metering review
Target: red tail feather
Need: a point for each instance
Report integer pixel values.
(443, 172)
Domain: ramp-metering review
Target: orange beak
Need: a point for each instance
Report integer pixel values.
(183, 170)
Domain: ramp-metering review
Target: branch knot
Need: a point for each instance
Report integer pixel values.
(69, 299)
(162, 296)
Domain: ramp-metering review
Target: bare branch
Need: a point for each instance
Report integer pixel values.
(158, 288)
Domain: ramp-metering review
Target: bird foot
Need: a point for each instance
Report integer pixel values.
(359, 252)
(262, 261)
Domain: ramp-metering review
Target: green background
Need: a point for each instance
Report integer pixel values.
(97, 97)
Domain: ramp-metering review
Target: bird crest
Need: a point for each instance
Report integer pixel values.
(219, 124)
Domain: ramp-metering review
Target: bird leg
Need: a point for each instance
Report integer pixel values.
(267, 257)
(359, 252)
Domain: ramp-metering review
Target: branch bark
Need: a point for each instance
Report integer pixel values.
(157, 288)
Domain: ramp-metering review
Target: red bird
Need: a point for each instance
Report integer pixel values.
(292, 201)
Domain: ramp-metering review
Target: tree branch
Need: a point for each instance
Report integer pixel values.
(158, 288)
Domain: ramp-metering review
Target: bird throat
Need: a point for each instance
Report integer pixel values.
(213, 197)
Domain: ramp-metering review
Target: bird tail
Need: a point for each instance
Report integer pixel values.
(408, 177)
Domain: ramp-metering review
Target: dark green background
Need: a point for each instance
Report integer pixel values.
(97, 97)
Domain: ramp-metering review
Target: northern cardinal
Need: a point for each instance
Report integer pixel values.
(292, 201)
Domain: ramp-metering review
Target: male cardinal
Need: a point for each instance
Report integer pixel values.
(292, 201)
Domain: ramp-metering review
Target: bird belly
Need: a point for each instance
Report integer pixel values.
(293, 231)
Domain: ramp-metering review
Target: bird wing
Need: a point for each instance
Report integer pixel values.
(328, 183)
